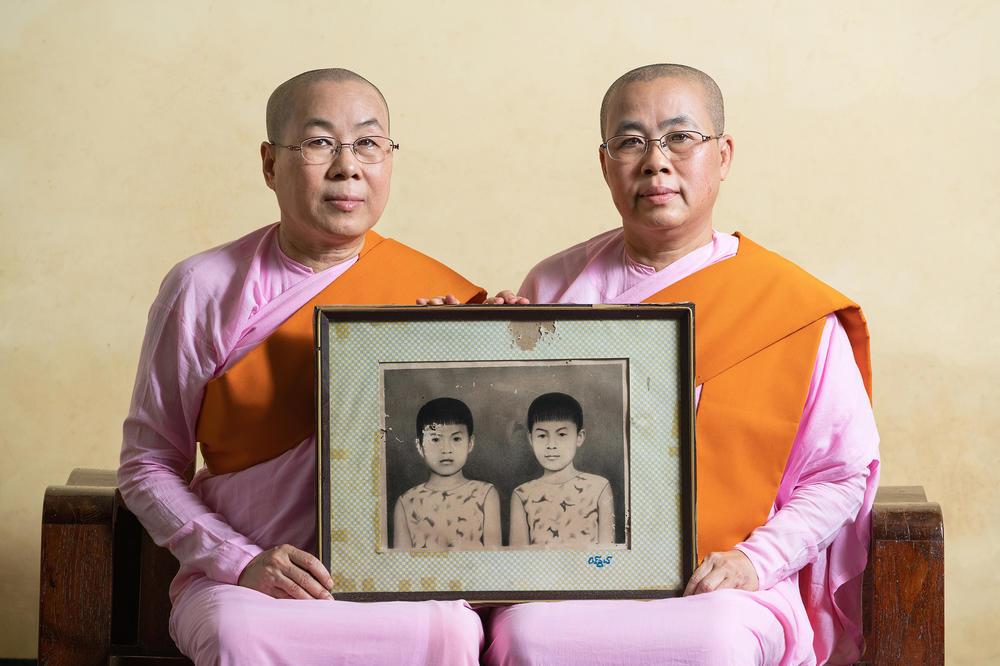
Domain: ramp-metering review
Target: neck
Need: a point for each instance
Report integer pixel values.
(564, 474)
(438, 482)
(318, 256)
(663, 249)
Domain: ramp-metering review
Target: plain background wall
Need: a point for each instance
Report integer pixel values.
(865, 136)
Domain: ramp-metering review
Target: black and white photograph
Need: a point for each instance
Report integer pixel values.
(505, 455)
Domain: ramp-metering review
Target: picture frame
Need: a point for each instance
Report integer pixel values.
(498, 513)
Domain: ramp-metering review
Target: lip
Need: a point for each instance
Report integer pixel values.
(658, 194)
(344, 202)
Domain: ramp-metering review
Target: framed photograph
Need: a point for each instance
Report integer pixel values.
(502, 454)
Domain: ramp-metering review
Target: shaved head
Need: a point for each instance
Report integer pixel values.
(713, 96)
(281, 103)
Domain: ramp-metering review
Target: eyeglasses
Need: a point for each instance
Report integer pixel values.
(675, 145)
(324, 149)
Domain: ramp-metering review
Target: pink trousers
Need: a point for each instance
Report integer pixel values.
(219, 624)
(724, 627)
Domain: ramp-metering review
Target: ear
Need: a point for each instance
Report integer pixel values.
(472, 443)
(420, 447)
(725, 155)
(581, 435)
(267, 162)
(604, 163)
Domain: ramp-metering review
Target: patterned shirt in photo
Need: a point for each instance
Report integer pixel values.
(562, 514)
(446, 519)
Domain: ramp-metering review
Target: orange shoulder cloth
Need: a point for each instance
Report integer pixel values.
(264, 404)
(758, 323)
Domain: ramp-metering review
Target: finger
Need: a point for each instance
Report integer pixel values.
(312, 568)
(715, 580)
(309, 585)
(290, 587)
(516, 300)
(310, 563)
(451, 300)
(279, 593)
(421, 301)
(728, 582)
(299, 584)
(703, 569)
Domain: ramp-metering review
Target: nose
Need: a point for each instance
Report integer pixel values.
(656, 160)
(345, 165)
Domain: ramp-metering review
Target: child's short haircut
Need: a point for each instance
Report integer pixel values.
(555, 407)
(443, 411)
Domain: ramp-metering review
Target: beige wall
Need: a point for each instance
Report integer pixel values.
(865, 150)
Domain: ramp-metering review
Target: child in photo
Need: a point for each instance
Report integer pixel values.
(564, 507)
(448, 511)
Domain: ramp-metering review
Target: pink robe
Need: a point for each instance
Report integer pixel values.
(211, 310)
(809, 556)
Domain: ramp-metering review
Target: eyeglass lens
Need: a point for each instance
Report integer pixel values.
(678, 144)
(322, 150)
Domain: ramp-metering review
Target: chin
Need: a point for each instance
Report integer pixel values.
(351, 229)
(655, 225)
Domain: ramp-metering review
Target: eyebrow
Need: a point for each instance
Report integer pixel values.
(664, 125)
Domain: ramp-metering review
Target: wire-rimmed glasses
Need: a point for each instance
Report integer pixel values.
(675, 145)
(324, 149)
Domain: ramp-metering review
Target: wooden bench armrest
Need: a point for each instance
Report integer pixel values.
(103, 583)
(903, 598)
(74, 623)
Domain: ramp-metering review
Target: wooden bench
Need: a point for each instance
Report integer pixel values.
(104, 582)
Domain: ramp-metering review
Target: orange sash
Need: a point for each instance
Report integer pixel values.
(758, 323)
(264, 404)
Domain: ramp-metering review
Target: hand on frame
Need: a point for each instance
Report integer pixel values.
(285, 572)
(507, 297)
(449, 299)
(722, 571)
